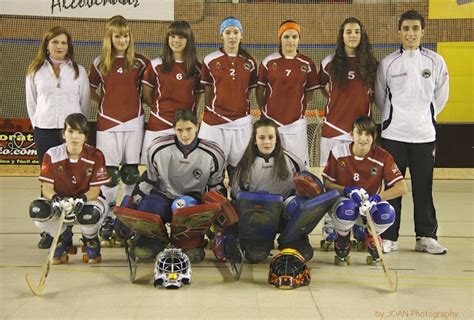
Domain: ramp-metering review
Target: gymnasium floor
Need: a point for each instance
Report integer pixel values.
(429, 286)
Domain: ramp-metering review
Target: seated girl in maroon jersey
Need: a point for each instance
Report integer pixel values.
(286, 83)
(71, 177)
(171, 82)
(362, 171)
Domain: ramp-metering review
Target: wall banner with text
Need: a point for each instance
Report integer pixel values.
(101, 9)
(17, 146)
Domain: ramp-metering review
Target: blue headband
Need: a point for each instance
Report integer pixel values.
(230, 22)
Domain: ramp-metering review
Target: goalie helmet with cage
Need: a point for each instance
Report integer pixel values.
(172, 269)
(288, 270)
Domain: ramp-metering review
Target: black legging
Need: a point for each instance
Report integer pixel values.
(46, 139)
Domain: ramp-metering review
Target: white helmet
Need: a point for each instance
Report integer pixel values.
(172, 269)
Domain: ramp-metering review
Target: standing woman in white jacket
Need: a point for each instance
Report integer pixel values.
(56, 86)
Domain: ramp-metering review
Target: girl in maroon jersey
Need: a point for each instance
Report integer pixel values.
(171, 82)
(347, 78)
(229, 75)
(362, 171)
(71, 176)
(286, 82)
(115, 79)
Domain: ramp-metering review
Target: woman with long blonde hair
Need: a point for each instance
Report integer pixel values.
(115, 79)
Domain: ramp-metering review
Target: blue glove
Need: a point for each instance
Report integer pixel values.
(355, 193)
(375, 198)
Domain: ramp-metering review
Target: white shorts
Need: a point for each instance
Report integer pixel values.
(294, 138)
(327, 144)
(232, 137)
(149, 137)
(120, 147)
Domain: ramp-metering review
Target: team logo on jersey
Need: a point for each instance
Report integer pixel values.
(102, 173)
(247, 66)
(60, 169)
(373, 171)
(218, 65)
(274, 65)
(395, 169)
(304, 68)
(343, 165)
(426, 73)
(197, 173)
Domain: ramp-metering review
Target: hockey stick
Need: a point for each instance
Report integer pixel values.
(236, 267)
(391, 276)
(38, 290)
(132, 264)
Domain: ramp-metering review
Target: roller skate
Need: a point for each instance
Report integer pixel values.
(64, 247)
(329, 235)
(91, 250)
(123, 233)
(107, 234)
(358, 243)
(373, 257)
(342, 247)
(45, 241)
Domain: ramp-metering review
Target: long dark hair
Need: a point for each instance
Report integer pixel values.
(43, 54)
(366, 63)
(180, 28)
(280, 169)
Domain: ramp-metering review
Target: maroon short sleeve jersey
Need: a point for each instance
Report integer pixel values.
(69, 177)
(370, 172)
(345, 104)
(173, 91)
(231, 78)
(121, 92)
(286, 80)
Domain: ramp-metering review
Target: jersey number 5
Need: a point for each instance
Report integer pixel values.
(351, 75)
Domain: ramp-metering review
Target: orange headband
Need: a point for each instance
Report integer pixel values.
(288, 26)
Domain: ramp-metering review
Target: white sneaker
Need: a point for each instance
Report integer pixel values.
(389, 245)
(430, 245)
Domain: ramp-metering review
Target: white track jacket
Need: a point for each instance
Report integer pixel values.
(412, 88)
